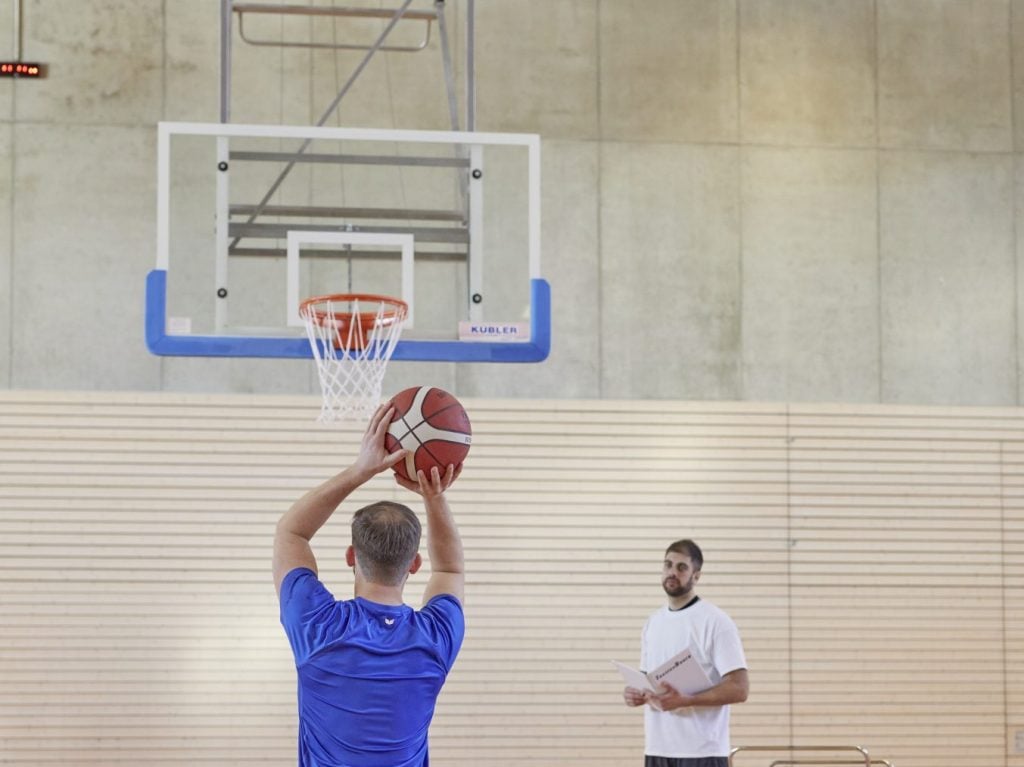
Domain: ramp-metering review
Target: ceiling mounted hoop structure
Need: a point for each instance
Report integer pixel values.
(253, 225)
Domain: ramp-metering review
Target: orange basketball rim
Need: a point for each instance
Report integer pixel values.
(353, 328)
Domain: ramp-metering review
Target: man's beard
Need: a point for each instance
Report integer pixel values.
(679, 589)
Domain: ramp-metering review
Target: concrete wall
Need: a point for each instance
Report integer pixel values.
(809, 200)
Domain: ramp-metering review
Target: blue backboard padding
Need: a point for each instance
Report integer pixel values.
(158, 342)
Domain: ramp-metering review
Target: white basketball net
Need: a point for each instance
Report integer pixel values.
(351, 360)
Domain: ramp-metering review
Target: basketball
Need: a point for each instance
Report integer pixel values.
(433, 425)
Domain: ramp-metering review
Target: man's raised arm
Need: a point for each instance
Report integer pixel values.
(444, 545)
(307, 515)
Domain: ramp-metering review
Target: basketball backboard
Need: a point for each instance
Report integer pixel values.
(252, 219)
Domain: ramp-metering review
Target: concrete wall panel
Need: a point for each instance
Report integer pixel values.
(6, 100)
(6, 251)
(948, 279)
(105, 61)
(537, 67)
(807, 72)
(668, 70)
(192, 67)
(944, 74)
(810, 275)
(670, 279)
(247, 376)
(85, 211)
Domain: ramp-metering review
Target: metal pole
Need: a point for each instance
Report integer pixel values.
(330, 110)
(225, 60)
(446, 59)
(17, 30)
(470, 65)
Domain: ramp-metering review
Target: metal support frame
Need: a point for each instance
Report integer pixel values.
(222, 230)
(531, 142)
(317, 211)
(395, 18)
(225, 61)
(305, 10)
(449, 71)
(352, 159)
(230, 7)
(318, 10)
(476, 233)
(469, 188)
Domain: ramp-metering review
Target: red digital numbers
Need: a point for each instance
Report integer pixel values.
(20, 69)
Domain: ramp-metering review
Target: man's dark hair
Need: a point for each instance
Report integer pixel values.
(689, 548)
(386, 537)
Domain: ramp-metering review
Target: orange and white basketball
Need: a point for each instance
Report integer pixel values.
(433, 426)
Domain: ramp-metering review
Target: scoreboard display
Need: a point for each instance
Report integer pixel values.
(21, 69)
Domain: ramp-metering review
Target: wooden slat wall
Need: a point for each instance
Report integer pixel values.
(872, 556)
(897, 580)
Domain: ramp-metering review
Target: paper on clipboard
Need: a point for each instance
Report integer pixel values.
(636, 679)
(681, 671)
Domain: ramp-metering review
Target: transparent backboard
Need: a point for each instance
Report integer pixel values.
(253, 219)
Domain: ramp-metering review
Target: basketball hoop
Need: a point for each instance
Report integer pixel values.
(352, 335)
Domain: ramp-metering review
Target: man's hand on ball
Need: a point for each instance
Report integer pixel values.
(373, 457)
(432, 484)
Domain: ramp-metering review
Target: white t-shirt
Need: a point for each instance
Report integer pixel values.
(714, 641)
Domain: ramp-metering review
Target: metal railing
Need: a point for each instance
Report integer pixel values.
(786, 762)
(866, 760)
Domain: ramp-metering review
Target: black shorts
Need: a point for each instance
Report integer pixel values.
(671, 761)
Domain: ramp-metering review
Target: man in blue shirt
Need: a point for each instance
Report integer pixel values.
(370, 668)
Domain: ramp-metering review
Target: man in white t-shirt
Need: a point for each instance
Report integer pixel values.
(689, 730)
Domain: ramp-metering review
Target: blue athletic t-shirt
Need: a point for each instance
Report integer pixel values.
(369, 674)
